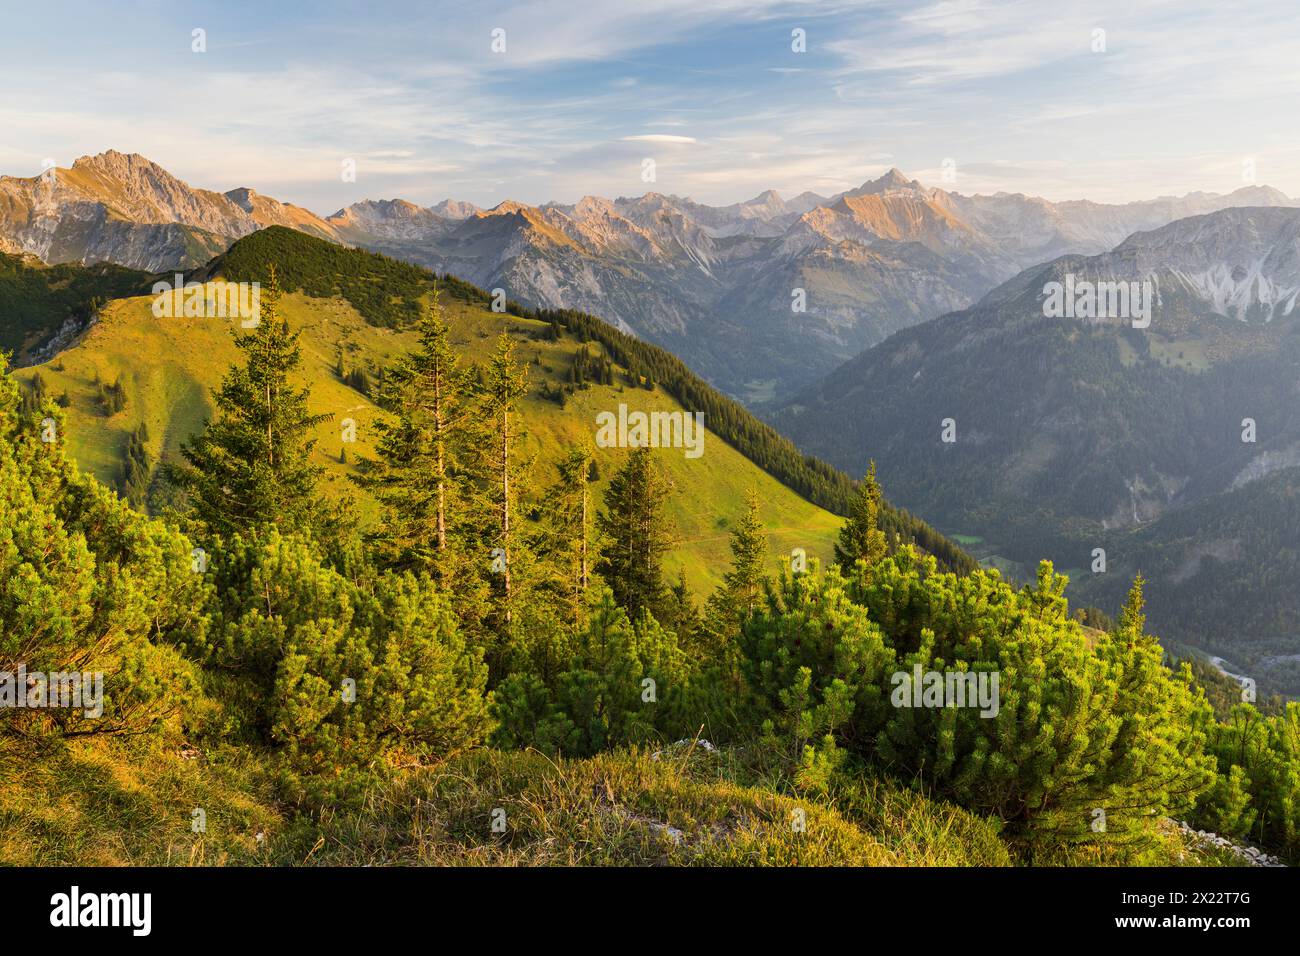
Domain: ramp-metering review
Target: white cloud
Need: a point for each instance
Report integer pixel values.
(658, 138)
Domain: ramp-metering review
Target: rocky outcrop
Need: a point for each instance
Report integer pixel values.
(1248, 855)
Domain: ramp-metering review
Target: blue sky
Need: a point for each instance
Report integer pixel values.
(1182, 97)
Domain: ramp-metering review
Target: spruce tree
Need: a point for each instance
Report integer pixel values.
(569, 531)
(682, 616)
(251, 467)
(499, 468)
(134, 485)
(861, 538)
(638, 535)
(419, 447)
(743, 584)
(741, 592)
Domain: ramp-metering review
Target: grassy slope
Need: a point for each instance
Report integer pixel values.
(170, 366)
(101, 802)
(388, 293)
(129, 802)
(35, 298)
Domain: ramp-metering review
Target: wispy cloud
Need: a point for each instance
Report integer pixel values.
(658, 138)
(1168, 97)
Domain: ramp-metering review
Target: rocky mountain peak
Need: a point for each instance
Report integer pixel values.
(454, 209)
(243, 197)
(891, 180)
(111, 160)
(507, 207)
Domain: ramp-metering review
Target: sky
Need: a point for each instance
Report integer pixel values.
(550, 101)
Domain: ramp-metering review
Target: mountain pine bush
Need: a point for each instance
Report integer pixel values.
(335, 670)
(815, 664)
(1080, 734)
(1257, 793)
(614, 682)
(86, 584)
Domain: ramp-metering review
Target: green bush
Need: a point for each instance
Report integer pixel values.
(1079, 734)
(591, 692)
(86, 584)
(1257, 794)
(335, 670)
(815, 665)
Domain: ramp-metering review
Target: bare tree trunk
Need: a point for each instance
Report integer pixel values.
(441, 464)
(582, 574)
(270, 437)
(505, 505)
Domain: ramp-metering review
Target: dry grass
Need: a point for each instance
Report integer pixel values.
(130, 803)
(112, 802)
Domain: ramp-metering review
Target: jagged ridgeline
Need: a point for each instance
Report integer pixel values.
(38, 301)
(388, 293)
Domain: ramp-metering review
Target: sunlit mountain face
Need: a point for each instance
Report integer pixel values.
(763, 296)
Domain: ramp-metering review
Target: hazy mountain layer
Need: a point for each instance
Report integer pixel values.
(1075, 433)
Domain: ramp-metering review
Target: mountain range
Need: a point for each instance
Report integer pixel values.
(1170, 445)
(1168, 441)
(761, 297)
